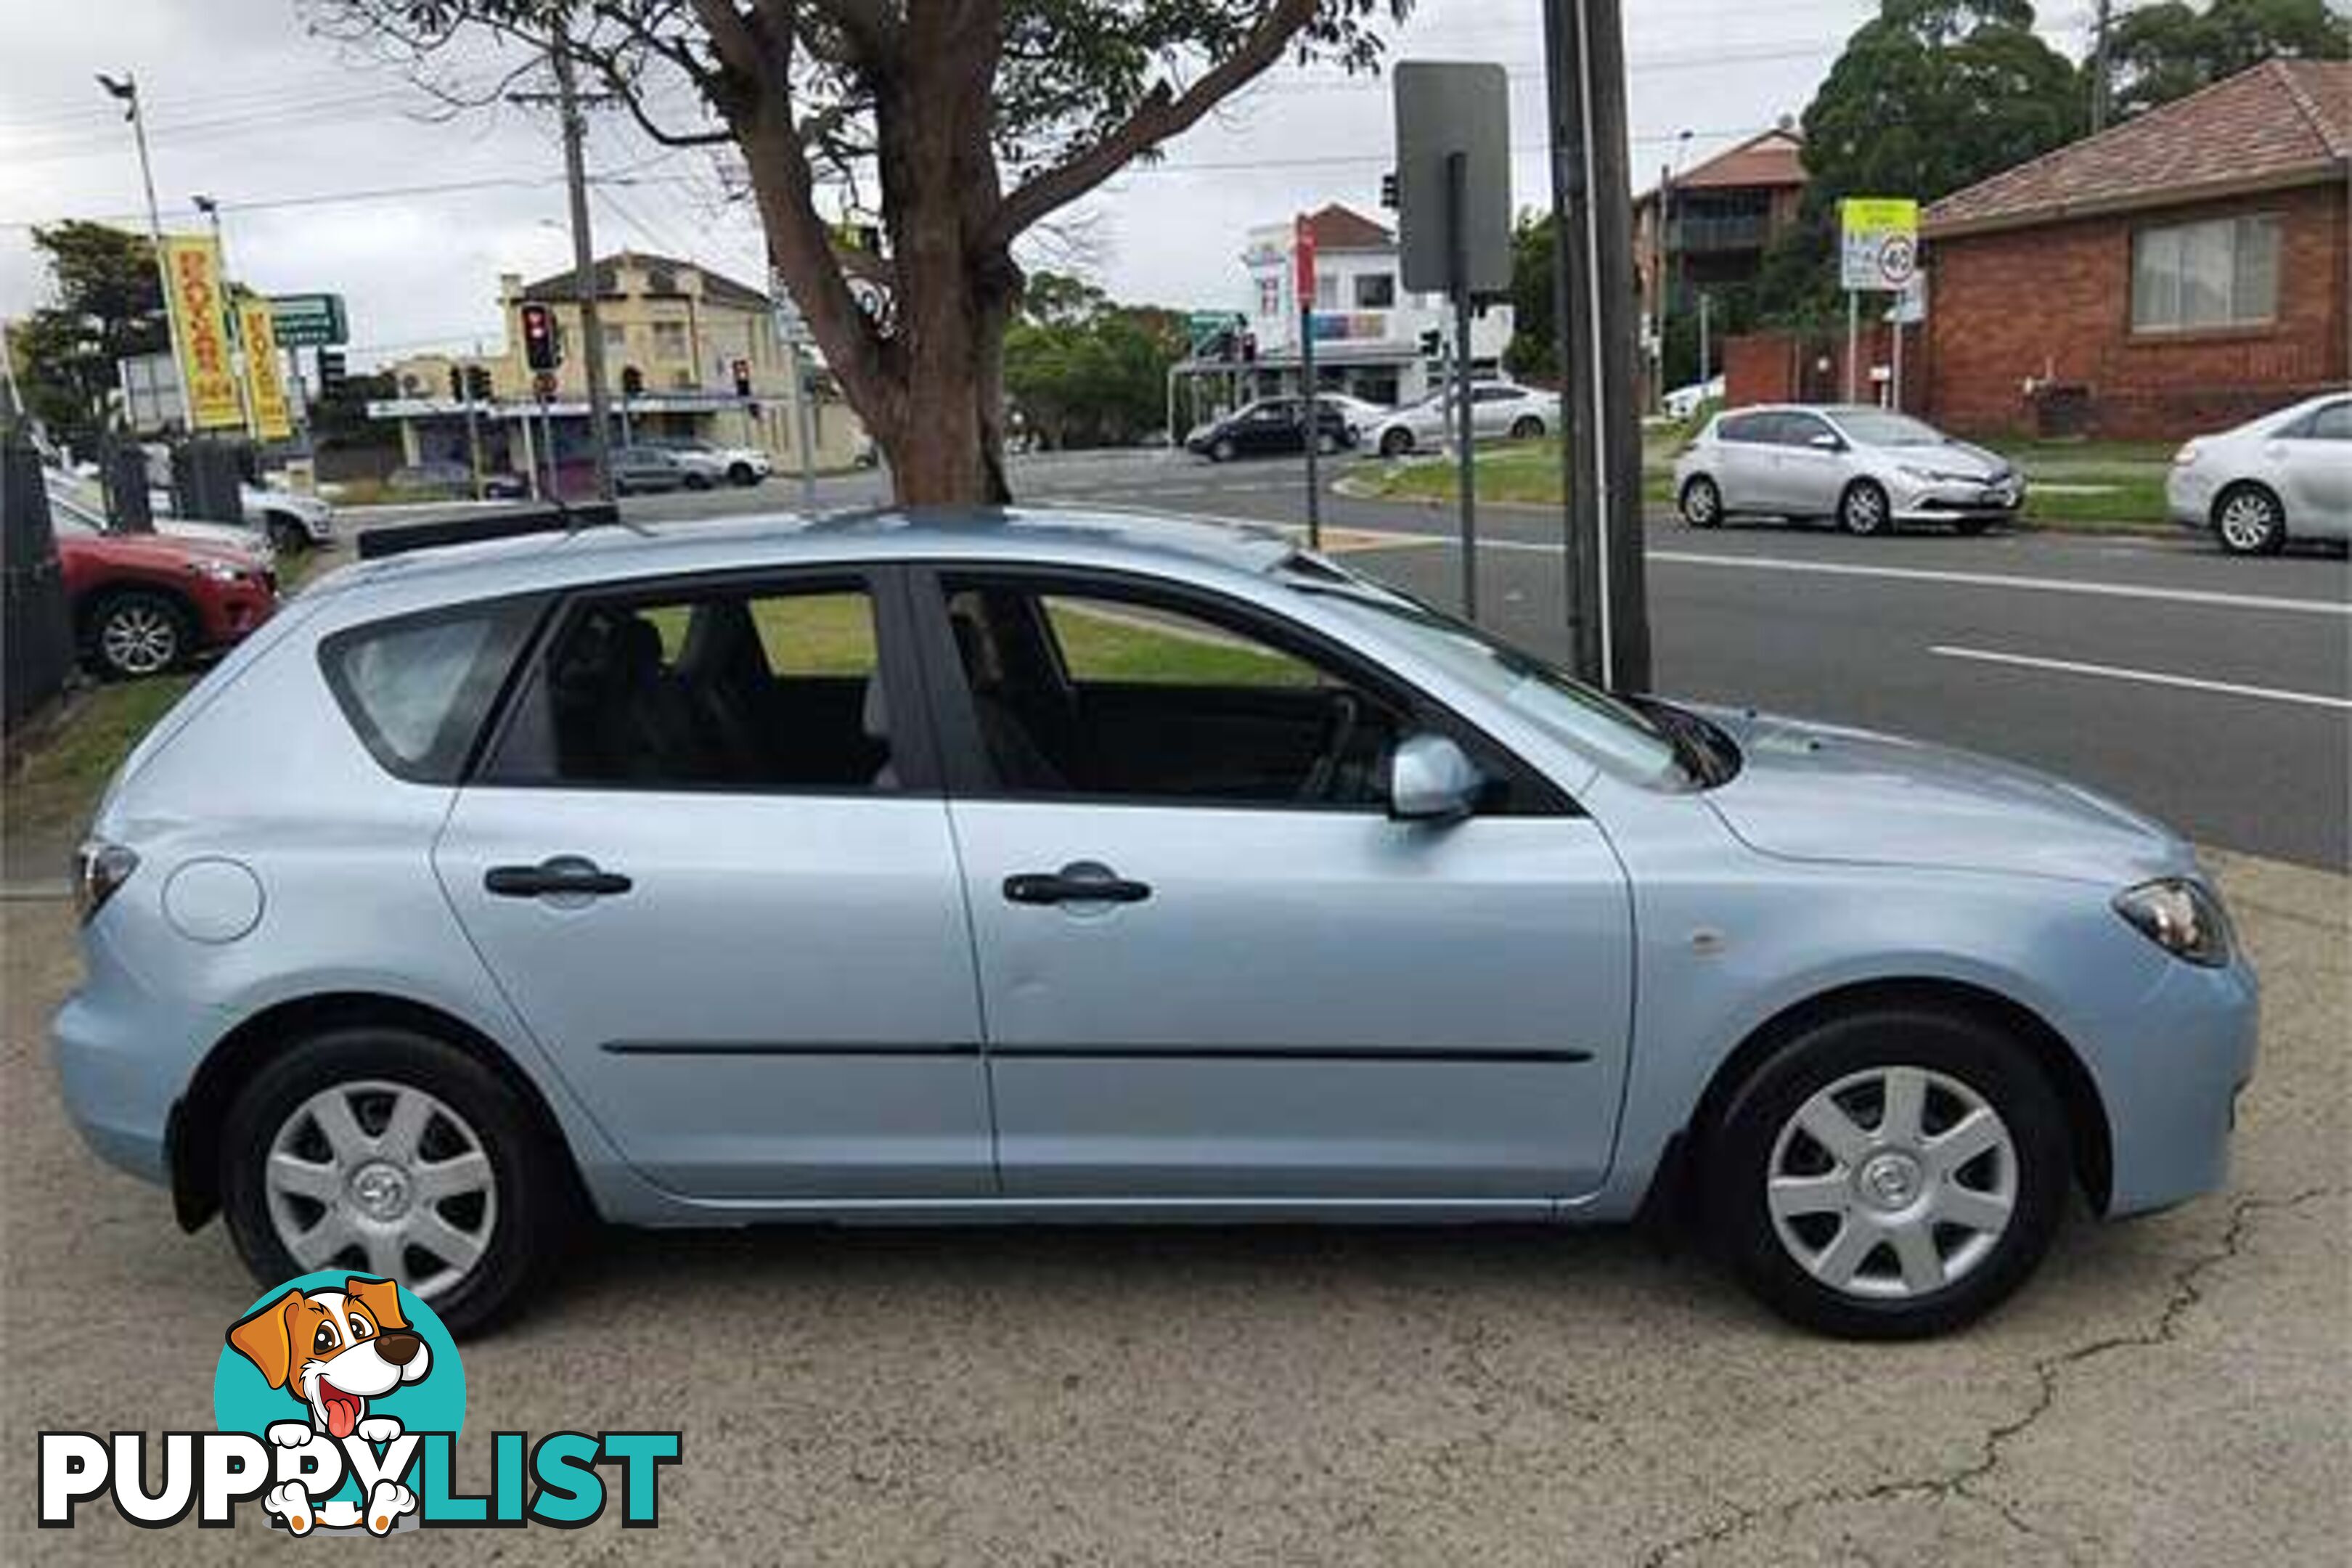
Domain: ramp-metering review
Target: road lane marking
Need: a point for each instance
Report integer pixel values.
(2145, 676)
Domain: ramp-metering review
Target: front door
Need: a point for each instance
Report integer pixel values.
(704, 863)
(2313, 462)
(1807, 478)
(1213, 967)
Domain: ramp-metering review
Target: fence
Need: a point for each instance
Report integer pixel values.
(38, 632)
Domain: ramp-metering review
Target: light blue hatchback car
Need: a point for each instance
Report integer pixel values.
(1059, 866)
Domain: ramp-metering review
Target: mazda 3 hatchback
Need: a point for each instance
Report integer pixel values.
(1058, 866)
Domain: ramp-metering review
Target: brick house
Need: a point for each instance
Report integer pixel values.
(2182, 271)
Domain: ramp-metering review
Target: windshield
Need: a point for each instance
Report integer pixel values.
(1615, 735)
(1879, 427)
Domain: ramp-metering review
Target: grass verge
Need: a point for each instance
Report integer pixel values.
(50, 796)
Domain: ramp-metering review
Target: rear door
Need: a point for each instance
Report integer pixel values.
(1281, 995)
(708, 861)
(1744, 459)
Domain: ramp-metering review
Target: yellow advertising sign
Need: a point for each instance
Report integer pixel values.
(191, 270)
(265, 387)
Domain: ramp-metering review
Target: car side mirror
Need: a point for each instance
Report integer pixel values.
(1827, 442)
(1432, 780)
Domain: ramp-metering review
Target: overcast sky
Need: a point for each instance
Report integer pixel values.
(316, 154)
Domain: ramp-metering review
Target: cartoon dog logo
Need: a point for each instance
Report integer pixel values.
(333, 1351)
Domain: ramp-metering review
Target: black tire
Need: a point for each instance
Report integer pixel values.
(1702, 502)
(1740, 1148)
(1864, 510)
(1396, 443)
(287, 536)
(1527, 427)
(743, 474)
(1222, 450)
(697, 482)
(134, 633)
(536, 1208)
(2249, 520)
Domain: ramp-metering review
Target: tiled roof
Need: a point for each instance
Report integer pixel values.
(2280, 122)
(1775, 158)
(1337, 227)
(716, 287)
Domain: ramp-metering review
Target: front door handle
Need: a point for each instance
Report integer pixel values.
(1079, 883)
(557, 876)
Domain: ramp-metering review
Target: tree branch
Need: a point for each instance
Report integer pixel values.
(1162, 114)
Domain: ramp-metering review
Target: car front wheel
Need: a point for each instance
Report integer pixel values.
(1527, 427)
(1396, 443)
(2249, 520)
(741, 474)
(1890, 1174)
(1223, 452)
(1862, 510)
(1702, 502)
(395, 1153)
(134, 635)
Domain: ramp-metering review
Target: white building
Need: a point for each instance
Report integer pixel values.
(1370, 331)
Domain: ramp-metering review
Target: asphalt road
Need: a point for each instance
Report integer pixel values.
(2213, 693)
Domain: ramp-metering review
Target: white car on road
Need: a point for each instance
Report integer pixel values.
(706, 463)
(2288, 473)
(1868, 469)
(290, 521)
(1499, 410)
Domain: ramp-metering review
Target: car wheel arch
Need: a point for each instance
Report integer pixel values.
(192, 1136)
(1674, 1184)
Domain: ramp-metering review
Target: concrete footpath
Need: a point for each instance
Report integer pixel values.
(2170, 1391)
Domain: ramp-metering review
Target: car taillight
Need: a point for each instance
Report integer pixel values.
(101, 868)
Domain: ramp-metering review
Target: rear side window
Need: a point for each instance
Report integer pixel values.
(416, 689)
(1743, 427)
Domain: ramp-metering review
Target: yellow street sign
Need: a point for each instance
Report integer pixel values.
(264, 384)
(192, 272)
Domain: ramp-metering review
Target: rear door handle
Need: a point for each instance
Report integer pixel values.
(554, 877)
(1079, 883)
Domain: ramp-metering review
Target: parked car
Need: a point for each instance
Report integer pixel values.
(1360, 414)
(1869, 470)
(145, 603)
(1037, 866)
(291, 522)
(1269, 425)
(707, 464)
(1683, 402)
(1498, 409)
(639, 468)
(76, 501)
(455, 481)
(2287, 474)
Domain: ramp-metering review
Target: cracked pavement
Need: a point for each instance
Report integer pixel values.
(2169, 1390)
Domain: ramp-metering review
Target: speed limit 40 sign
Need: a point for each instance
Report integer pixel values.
(1879, 248)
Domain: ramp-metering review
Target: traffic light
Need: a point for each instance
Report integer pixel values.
(1389, 191)
(742, 369)
(540, 350)
(1249, 348)
(456, 385)
(331, 372)
(632, 381)
(478, 382)
(1432, 343)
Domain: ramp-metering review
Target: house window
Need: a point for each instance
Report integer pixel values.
(1326, 291)
(1375, 291)
(2222, 273)
(669, 340)
(1269, 294)
(617, 338)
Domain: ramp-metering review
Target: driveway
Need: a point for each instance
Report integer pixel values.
(2170, 1391)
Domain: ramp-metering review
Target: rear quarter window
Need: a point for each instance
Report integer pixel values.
(1742, 427)
(416, 689)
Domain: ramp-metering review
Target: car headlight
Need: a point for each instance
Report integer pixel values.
(218, 570)
(2184, 918)
(1917, 476)
(2186, 455)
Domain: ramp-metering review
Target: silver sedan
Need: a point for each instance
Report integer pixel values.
(1870, 469)
(2286, 474)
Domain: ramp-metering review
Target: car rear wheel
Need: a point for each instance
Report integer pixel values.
(2249, 520)
(1396, 443)
(1527, 427)
(287, 536)
(1702, 502)
(135, 633)
(390, 1152)
(1890, 1174)
(1862, 510)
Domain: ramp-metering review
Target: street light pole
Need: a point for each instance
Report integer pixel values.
(126, 91)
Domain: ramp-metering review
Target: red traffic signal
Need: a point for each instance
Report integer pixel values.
(742, 370)
(540, 350)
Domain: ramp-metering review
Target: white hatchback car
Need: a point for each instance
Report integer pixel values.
(1869, 470)
(1498, 409)
(2288, 473)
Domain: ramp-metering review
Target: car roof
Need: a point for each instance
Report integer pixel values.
(619, 554)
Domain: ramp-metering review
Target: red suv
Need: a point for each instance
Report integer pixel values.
(144, 603)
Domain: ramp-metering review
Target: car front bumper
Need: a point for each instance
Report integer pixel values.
(2169, 1075)
(2188, 497)
(1947, 501)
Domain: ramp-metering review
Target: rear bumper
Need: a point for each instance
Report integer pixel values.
(124, 1057)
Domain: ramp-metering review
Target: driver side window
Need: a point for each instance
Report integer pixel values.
(1096, 694)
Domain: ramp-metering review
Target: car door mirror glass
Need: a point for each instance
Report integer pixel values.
(1431, 779)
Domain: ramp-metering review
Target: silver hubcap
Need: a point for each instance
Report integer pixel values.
(1892, 1183)
(1700, 502)
(383, 1176)
(1864, 510)
(2246, 521)
(139, 639)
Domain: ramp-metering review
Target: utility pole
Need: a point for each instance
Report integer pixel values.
(584, 267)
(127, 92)
(1600, 455)
(2099, 93)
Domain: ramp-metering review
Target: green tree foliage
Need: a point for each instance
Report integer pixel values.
(108, 305)
(1533, 354)
(1081, 370)
(2162, 52)
(1929, 96)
